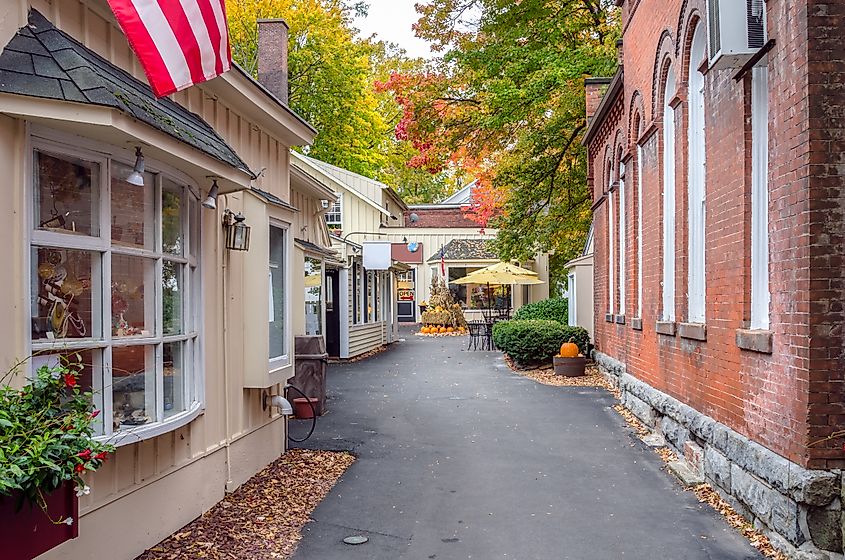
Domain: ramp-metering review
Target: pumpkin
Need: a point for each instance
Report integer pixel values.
(450, 329)
(426, 330)
(569, 349)
(442, 330)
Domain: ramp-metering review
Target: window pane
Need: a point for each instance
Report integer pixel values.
(132, 209)
(90, 376)
(174, 379)
(133, 386)
(194, 218)
(313, 296)
(172, 297)
(132, 300)
(66, 194)
(171, 219)
(277, 293)
(65, 289)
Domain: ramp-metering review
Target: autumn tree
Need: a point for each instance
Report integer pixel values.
(333, 76)
(507, 101)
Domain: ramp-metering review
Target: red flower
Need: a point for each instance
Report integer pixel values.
(79, 468)
(70, 380)
(84, 455)
(95, 414)
(101, 456)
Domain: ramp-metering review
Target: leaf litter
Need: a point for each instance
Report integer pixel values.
(264, 517)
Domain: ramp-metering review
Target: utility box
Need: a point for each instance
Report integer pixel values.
(311, 360)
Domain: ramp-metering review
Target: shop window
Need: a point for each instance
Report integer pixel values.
(122, 298)
(477, 296)
(313, 296)
(357, 293)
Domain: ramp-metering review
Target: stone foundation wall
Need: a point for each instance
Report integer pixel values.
(799, 509)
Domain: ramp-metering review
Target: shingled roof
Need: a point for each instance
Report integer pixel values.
(43, 61)
(465, 250)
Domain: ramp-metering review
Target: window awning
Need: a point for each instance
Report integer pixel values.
(43, 62)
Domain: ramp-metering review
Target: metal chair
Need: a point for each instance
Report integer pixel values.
(477, 333)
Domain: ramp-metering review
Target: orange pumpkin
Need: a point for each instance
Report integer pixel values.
(442, 330)
(450, 329)
(569, 349)
(425, 330)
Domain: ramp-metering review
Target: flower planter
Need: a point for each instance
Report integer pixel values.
(28, 532)
(303, 410)
(570, 367)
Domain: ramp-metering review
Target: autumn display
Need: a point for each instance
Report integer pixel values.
(442, 316)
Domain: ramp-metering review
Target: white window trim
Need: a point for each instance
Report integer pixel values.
(668, 284)
(760, 290)
(611, 260)
(639, 229)
(573, 300)
(281, 362)
(623, 242)
(49, 140)
(696, 221)
(339, 203)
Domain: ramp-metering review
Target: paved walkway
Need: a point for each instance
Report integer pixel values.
(460, 458)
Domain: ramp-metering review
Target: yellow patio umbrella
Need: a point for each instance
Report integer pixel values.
(313, 280)
(501, 274)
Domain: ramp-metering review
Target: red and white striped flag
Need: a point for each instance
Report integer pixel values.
(179, 42)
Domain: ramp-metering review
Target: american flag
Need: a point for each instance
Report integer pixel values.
(179, 42)
(443, 262)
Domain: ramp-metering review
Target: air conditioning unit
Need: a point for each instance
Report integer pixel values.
(736, 31)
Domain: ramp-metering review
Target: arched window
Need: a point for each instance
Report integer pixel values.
(668, 283)
(696, 181)
(611, 247)
(623, 245)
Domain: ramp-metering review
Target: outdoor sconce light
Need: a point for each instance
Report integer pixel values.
(237, 232)
(210, 201)
(414, 217)
(137, 176)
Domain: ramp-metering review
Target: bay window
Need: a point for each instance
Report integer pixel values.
(114, 283)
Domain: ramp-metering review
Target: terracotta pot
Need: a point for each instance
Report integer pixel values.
(570, 367)
(302, 409)
(27, 532)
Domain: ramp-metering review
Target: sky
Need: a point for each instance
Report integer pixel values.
(391, 21)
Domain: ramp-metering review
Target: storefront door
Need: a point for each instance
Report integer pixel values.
(406, 297)
(333, 308)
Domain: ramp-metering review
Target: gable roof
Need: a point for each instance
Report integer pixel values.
(463, 196)
(45, 62)
(465, 250)
(327, 172)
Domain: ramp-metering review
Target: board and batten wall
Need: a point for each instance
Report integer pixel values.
(171, 479)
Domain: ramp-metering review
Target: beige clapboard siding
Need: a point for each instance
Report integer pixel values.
(363, 338)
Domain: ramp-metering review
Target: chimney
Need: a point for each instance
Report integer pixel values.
(273, 56)
(595, 88)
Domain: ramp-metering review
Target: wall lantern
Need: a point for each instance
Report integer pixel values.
(237, 232)
(136, 177)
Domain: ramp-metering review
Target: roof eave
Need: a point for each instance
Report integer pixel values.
(607, 101)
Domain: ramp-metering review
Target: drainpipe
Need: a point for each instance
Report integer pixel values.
(230, 486)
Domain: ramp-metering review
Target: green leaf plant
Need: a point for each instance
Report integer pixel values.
(47, 435)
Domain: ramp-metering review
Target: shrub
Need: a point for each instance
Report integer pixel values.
(529, 342)
(548, 309)
(536, 341)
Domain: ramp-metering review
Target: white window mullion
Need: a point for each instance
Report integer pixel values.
(639, 230)
(760, 292)
(623, 242)
(696, 289)
(611, 263)
(668, 284)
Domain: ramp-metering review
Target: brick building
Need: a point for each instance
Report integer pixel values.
(717, 167)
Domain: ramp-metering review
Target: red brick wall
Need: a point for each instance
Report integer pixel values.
(440, 218)
(763, 396)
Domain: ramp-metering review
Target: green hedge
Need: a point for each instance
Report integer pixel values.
(548, 309)
(536, 341)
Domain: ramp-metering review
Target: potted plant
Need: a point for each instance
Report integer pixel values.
(47, 445)
(570, 362)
